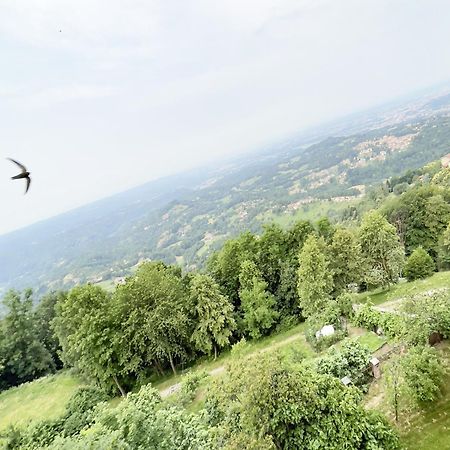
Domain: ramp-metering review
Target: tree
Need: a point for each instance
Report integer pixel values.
(413, 378)
(425, 315)
(325, 229)
(422, 213)
(294, 408)
(258, 305)
(44, 314)
(419, 265)
(87, 327)
(271, 252)
(225, 265)
(315, 279)
(213, 315)
(23, 357)
(381, 249)
(346, 260)
(153, 307)
(444, 249)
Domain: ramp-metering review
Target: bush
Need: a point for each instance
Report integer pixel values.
(189, 386)
(351, 359)
(393, 325)
(419, 265)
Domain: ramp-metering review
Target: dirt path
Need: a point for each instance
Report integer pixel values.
(221, 369)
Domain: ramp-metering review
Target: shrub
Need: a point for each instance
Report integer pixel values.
(351, 359)
(189, 386)
(419, 265)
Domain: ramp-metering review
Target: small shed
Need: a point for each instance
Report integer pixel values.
(375, 367)
(346, 381)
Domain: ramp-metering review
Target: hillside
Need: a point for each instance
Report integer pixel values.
(183, 218)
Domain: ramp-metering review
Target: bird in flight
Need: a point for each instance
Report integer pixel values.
(25, 174)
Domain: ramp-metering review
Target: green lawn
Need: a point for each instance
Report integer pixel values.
(45, 398)
(404, 289)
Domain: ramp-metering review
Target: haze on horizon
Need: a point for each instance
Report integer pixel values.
(99, 96)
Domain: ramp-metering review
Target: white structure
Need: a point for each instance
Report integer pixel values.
(375, 365)
(346, 380)
(327, 330)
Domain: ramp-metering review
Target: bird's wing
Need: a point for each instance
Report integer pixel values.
(28, 184)
(24, 169)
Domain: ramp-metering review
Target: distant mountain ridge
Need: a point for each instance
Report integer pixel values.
(183, 218)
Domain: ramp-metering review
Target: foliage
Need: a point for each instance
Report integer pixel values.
(346, 260)
(258, 305)
(315, 282)
(413, 378)
(23, 357)
(382, 250)
(426, 314)
(444, 249)
(419, 265)
(154, 318)
(189, 385)
(44, 314)
(225, 265)
(213, 315)
(421, 215)
(392, 325)
(79, 414)
(86, 326)
(295, 408)
(350, 359)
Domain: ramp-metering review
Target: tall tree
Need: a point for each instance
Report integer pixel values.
(214, 321)
(23, 357)
(315, 278)
(346, 260)
(44, 314)
(258, 305)
(86, 325)
(272, 248)
(421, 215)
(225, 265)
(325, 229)
(381, 249)
(154, 312)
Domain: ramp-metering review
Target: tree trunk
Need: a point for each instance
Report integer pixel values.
(159, 369)
(172, 364)
(122, 391)
(215, 352)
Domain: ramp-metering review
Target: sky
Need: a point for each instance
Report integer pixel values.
(97, 96)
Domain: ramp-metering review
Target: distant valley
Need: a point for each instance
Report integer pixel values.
(184, 218)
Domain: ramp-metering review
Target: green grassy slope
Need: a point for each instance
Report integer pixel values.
(45, 398)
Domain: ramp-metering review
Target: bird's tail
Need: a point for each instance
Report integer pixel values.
(17, 177)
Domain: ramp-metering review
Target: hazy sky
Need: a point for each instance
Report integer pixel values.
(97, 96)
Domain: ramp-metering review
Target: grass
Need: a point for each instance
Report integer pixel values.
(404, 289)
(43, 398)
(372, 341)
